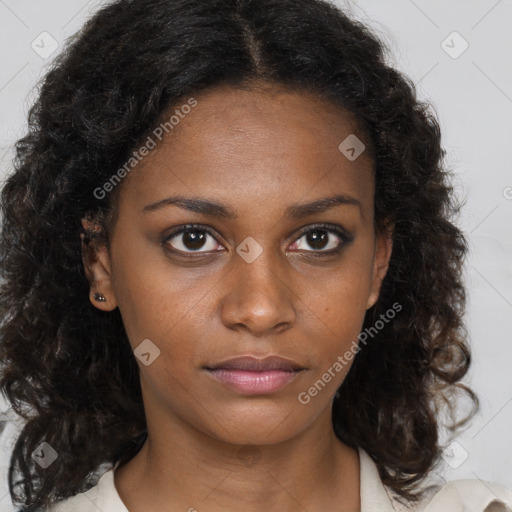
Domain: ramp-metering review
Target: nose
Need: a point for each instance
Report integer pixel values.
(258, 297)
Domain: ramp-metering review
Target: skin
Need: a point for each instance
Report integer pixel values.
(258, 152)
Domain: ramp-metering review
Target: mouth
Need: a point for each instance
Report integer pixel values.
(249, 375)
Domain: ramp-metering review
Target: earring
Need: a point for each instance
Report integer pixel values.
(99, 297)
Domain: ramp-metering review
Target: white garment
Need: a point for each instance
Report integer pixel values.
(455, 496)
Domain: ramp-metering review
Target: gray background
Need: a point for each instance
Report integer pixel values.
(472, 95)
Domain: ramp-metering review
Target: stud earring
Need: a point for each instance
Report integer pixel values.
(99, 297)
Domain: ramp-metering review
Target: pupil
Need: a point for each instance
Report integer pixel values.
(316, 240)
(194, 239)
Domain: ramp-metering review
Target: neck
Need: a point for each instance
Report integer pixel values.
(181, 468)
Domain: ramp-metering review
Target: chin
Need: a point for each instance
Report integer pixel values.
(258, 427)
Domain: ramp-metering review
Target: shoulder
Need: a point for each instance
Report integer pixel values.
(460, 496)
(470, 495)
(103, 496)
(438, 496)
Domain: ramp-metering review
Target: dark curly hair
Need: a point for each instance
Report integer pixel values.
(68, 368)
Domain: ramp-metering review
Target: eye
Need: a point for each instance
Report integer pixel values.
(192, 239)
(322, 238)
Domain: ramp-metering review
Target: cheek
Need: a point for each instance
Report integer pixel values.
(335, 327)
(342, 293)
(339, 305)
(152, 297)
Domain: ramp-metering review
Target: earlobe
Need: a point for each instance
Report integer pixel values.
(96, 261)
(383, 250)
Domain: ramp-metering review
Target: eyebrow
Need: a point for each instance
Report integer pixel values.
(213, 209)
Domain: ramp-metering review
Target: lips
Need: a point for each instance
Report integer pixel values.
(249, 375)
(252, 363)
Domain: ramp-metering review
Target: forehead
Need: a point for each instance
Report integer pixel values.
(250, 147)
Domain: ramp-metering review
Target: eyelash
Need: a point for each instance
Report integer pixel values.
(345, 238)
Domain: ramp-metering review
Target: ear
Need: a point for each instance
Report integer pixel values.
(96, 261)
(383, 249)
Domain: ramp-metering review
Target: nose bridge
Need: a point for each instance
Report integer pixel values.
(261, 275)
(258, 296)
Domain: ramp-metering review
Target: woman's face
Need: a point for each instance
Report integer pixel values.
(260, 274)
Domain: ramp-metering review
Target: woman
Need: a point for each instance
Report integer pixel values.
(231, 281)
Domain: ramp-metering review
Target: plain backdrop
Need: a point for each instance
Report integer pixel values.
(458, 53)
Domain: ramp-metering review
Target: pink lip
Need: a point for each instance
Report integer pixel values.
(254, 382)
(251, 375)
(253, 363)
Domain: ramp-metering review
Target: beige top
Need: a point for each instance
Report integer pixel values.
(455, 496)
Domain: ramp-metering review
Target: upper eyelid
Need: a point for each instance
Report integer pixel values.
(327, 226)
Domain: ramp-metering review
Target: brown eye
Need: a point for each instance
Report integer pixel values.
(318, 238)
(323, 239)
(192, 239)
